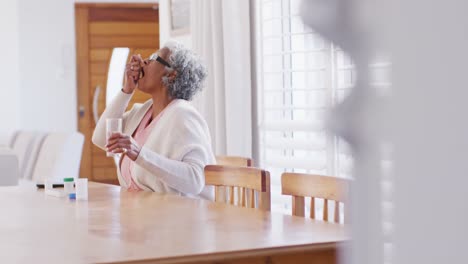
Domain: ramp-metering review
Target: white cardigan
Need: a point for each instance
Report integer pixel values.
(173, 158)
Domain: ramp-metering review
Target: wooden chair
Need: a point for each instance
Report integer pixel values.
(240, 179)
(315, 186)
(234, 161)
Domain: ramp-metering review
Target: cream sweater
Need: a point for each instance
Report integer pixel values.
(173, 158)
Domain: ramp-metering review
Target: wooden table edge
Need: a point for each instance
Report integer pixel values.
(232, 255)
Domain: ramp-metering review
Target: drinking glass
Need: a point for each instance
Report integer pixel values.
(113, 125)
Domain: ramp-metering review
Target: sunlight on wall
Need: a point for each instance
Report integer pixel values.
(115, 76)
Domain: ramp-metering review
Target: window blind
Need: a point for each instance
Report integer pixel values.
(301, 77)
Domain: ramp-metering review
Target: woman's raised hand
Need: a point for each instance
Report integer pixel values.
(132, 73)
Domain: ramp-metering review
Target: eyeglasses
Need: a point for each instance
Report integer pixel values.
(156, 57)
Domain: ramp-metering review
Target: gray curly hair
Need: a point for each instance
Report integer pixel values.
(191, 72)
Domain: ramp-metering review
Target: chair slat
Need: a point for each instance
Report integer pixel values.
(231, 195)
(252, 198)
(242, 201)
(312, 207)
(325, 210)
(298, 205)
(337, 212)
(346, 214)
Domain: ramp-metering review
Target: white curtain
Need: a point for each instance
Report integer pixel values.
(220, 32)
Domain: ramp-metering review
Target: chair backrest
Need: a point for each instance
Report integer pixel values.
(315, 186)
(59, 157)
(26, 147)
(36, 145)
(247, 182)
(234, 161)
(7, 139)
(21, 149)
(4, 140)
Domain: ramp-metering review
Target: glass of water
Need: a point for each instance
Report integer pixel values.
(113, 125)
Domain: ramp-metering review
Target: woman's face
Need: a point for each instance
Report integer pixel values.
(152, 73)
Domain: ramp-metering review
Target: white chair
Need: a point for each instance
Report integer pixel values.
(4, 140)
(35, 147)
(26, 147)
(59, 157)
(7, 139)
(8, 167)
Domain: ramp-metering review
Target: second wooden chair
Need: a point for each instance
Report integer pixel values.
(315, 186)
(239, 179)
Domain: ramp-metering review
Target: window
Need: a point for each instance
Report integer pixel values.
(301, 77)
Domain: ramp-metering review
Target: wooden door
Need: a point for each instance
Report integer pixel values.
(99, 29)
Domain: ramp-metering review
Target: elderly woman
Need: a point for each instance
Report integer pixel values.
(165, 143)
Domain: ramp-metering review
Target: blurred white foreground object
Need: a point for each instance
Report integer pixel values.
(357, 119)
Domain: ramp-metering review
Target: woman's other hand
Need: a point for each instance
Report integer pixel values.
(120, 143)
(132, 73)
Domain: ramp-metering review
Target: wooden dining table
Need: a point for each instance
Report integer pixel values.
(118, 226)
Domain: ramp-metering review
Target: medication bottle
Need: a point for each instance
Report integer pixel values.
(68, 184)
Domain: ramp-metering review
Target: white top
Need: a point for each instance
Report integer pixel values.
(174, 156)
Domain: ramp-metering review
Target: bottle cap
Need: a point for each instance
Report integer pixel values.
(68, 179)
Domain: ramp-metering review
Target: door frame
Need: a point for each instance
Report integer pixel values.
(83, 79)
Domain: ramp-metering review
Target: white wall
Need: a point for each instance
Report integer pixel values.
(40, 76)
(9, 87)
(116, 1)
(164, 30)
(47, 65)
